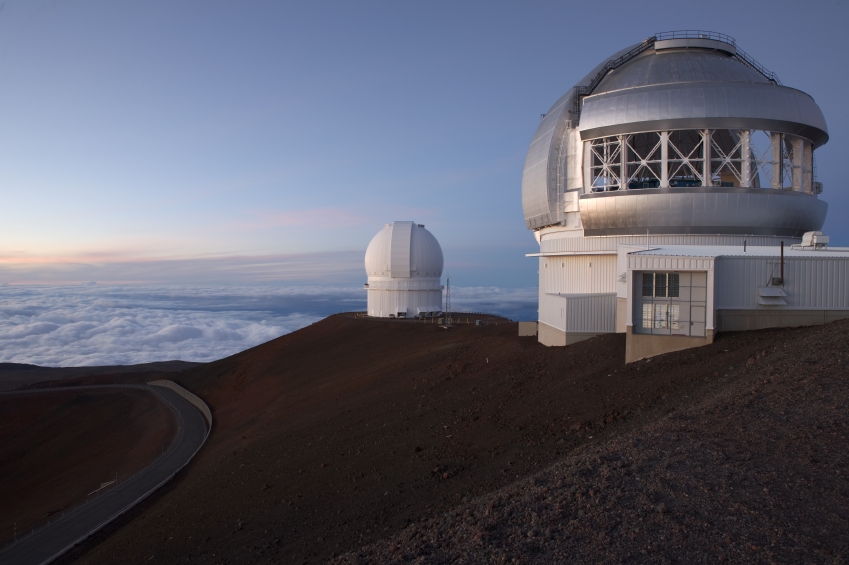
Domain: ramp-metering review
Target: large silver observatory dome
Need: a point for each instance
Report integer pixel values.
(683, 133)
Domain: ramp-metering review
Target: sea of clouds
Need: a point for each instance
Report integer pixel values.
(88, 325)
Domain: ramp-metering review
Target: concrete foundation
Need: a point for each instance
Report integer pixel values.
(621, 314)
(742, 320)
(642, 346)
(527, 329)
(552, 337)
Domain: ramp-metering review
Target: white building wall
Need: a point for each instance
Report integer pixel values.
(552, 311)
(809, 282)
(578, 274)
(582, 314)
(591, 313)
(638, 262)
(555, 240)
(383, 302)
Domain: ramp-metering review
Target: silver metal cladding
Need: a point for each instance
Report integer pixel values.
(702, 210)
(677, 82)
(539, 179)
(541, 187)
(695, 105)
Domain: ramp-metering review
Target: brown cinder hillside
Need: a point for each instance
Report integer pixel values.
(58, 446)
(348, 431)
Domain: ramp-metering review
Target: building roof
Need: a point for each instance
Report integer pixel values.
(737, 251)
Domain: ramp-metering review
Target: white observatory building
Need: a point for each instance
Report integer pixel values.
(673, 194)
(404, 267)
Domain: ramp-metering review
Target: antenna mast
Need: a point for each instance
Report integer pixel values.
(448, 295)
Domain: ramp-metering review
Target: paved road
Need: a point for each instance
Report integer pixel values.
(51, 541)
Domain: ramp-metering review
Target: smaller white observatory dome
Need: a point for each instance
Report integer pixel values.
(404, 267)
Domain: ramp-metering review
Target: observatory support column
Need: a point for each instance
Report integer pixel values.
(623, 162)
(808, 164)
(664, 159)
(707, 178)
(798, 160)
(777, 161)
(746, 158)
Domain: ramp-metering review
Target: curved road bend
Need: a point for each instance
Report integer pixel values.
(51, 541)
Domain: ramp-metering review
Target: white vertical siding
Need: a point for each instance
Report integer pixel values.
(552, 311)
(582, 314)
(810, 282)
(563, 242)
(591, 313)
(578, 274)
(382, 303)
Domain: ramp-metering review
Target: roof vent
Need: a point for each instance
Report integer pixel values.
(771, 296)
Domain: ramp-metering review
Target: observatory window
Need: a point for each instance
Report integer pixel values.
(699, 158)
(648, 284)
(662, 285)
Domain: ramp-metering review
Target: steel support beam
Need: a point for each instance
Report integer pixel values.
(746, 158)
(775, 140)
(623, 162)
(808, 167)
(798, 163)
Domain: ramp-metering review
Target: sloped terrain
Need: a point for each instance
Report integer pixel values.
(346, 432)
(755, 473)
(58, 446)
(20, 376)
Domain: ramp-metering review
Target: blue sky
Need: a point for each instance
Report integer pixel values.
(254, 142)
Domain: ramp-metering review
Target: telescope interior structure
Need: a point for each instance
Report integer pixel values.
(404, 267)
(682, 140)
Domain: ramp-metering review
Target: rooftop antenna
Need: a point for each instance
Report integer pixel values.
(448, 295)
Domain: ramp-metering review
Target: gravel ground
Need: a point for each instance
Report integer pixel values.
(753, 473)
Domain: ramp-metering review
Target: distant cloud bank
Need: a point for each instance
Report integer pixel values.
(337, 267)
(86, 325)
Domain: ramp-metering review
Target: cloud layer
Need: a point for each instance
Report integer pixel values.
(90, 325)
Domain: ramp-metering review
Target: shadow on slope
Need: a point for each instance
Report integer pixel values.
(58, 446)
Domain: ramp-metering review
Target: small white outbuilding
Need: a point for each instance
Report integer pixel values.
(404, 267)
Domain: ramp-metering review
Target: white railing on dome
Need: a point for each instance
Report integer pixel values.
(695, 34)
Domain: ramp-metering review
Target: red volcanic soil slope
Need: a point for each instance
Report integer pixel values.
(58, 446)
(345, 432)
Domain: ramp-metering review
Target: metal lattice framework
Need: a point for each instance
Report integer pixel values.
(697, 158)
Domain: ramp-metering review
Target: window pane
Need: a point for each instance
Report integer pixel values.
(660, 314)
(647, 316)
(660, 284)
(648, 284)
(674, 313)
(674, 285)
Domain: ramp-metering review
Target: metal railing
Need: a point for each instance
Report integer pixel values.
(747, 60)
(583, 91)
(695, 34)
(740, 55)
